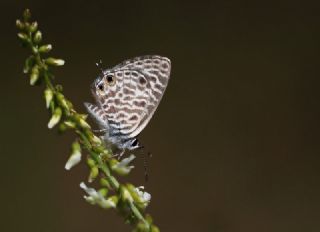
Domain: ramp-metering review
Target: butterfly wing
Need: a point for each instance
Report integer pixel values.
(139, 86)
(98, 115)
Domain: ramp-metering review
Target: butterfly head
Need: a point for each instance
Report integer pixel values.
(104, 84)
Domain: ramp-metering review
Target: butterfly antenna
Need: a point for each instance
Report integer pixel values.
(145, 163)
(145, 166)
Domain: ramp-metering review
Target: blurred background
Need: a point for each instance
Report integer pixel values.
(235, 140)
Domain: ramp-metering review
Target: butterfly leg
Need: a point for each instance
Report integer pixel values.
(119, 155)
(100, 130)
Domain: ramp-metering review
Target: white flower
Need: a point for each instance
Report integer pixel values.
(95, 197)
(145, 197)
(122, 167)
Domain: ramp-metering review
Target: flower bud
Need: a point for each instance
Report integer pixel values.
(114, 200)
(105, 156)
(91, 163)
(109, 203)
(148, 218)
(62, 101)
(45, 48)
(19, 24)
(62, 128)
(33, 27)
(93, 174)
(48, 95)
(28, 64)
(69, 104)
(23, 37)
(122, 167)
(34, 75)
(154, 229)
(70, 124)
(59, 88)
(52, 106)
(26, 15)
(55, 117)
(103, 192)
(37, 37)
(60, 97)
(54, 61)
(143, 227)
(95, 140)
(75, 156)
(105, 183)
(125, 194)
(84, 124)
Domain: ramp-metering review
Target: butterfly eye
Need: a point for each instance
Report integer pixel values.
(100, 87)
(111, 80)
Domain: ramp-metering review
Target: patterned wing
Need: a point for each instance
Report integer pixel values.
(98, 115)
(130, 92)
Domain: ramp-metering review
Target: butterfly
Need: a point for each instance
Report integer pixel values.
(127, 96)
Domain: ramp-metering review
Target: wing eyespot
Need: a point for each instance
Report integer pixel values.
(111, 80)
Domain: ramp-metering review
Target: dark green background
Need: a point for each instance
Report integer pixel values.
(235, 140)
